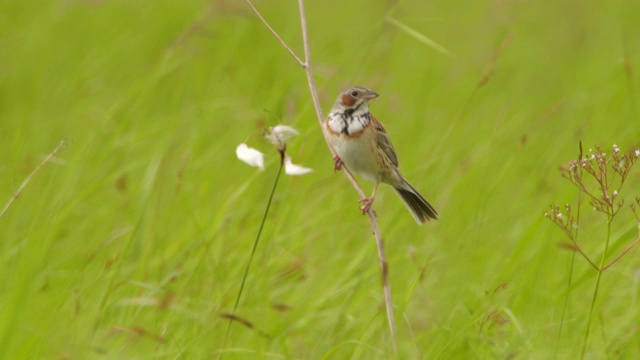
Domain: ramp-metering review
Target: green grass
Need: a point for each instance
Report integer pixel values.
(132, 243)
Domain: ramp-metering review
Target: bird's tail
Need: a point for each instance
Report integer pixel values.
(419, 208)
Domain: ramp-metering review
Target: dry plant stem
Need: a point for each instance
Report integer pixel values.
(300, 62)
(35, 171)
(309, 73)
(306, 64)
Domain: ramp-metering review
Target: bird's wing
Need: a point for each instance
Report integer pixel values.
(382, 140)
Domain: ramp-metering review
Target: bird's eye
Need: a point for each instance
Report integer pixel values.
(354, 93)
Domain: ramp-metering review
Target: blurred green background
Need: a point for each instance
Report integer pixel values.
(132, 242)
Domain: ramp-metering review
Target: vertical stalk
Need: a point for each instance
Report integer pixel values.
(595, 291)
(253, 251)
(569, 281)
(306, 65)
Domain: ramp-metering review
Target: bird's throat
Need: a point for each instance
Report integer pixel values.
(349, 122)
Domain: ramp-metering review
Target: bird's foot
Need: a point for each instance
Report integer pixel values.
(337, 166)
(367, 202)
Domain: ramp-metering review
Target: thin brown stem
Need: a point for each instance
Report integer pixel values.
(372, 216)
(308, 69)
(284, 44)
(384, 269)
(306, 64)
(35, 171)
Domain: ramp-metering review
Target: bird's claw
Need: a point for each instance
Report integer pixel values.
(337, 166)
(367, 202)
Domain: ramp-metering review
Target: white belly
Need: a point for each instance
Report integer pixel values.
(359, 154)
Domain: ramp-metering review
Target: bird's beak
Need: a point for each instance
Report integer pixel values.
(371, 95)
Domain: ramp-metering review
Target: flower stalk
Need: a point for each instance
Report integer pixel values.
(599, 177)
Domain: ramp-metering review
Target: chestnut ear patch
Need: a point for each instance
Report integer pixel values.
(348, 100)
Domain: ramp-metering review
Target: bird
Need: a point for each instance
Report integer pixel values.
(361, 144)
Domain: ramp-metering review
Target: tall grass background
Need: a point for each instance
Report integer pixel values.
(132, 241)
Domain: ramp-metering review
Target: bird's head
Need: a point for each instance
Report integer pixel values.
(355, 100)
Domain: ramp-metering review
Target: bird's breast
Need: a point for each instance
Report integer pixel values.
(357, 149)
